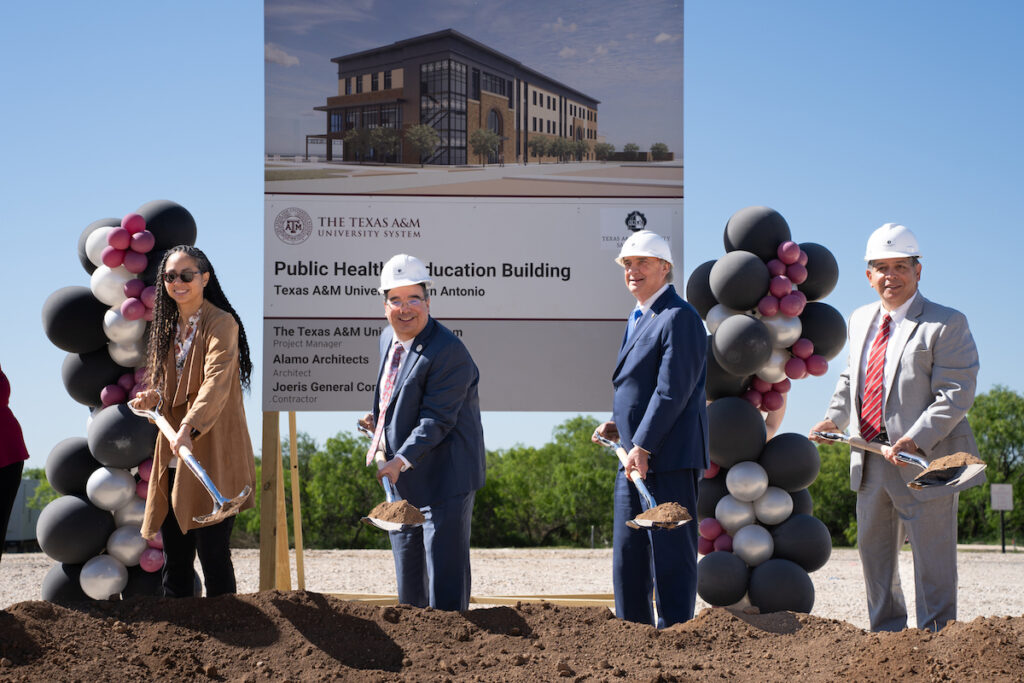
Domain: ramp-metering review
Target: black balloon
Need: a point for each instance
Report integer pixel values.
(736, 431)
(69, 465)
(756, 229)
(61, 585)
(709, 492)
(803, 539)
(791, 461)
(722, 578)
(739, 280)
(698, 289)
(85, 375)
(822, 272)
(119, 438)
(142, 583)
(71, 529)
(84, 237)
(825, 327)
(780, 586)
(149, 275)
(742, 345)
(73, 320)
(802, 502)
(170, 223)
(720, 383)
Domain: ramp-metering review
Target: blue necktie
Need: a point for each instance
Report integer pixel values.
(634, 320)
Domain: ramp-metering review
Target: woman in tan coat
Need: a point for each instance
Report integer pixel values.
(198, 360)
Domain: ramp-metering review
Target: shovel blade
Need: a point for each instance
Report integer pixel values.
(225, 509)
(650, 524)
(954, 476)
(388, 526)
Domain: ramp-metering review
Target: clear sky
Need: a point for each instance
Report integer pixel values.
(842, 116)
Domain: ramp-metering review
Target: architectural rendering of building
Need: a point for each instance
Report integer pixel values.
(455, 85)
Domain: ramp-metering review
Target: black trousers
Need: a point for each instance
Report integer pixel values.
(211, 543)
(10, 480)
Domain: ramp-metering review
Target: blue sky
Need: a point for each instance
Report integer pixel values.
(842, 116)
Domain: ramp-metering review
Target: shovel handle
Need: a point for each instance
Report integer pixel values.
(858, 442)
(634, 475)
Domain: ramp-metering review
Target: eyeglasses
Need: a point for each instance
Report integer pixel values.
(412, 302)
(185, 275)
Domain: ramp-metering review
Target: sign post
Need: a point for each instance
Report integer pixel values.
(1002, 500)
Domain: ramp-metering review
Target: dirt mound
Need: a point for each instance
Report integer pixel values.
(309, 636)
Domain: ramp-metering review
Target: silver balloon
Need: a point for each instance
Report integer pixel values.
(753, 544)
(126, 545)
(131, 512)
(746, 481)
(121, 330)
(774, 507)
(130, 355)
(734, 514)
(110, 488)
(775, 369)
(783, 330)
(107, 284)
(717, 314)
(95, 243)
(102, 577)
(741, 603)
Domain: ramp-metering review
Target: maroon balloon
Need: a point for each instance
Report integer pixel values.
(768, 306)
(783, 386)
(776, 267)
(112, 257)
(724, 543)
(712, 471)
(803, 348)
(134, 262)
(817, 365)
(126, 381)
(111, 394)
(148, 296)
(753, 396)
(803, 258)
(132, 309)
(133, 288)
(772, 401)
(143, 242)
(710, 528)
(780, 286)
(133, 223)
(796, 273)
(789, 252)
(796, 368)
(792, 304)
(119, 238)
(758, 384)
(704, 546)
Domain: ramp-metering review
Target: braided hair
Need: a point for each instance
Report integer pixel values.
(165, 319)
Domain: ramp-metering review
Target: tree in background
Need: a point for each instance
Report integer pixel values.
(538, 146)
(834, 503)
(359, 141)
(423, 139)
(485, 143)
(603, 150)
(385, 141)
(580, 149)
(659, 150)
(560, 148)
(630, 149)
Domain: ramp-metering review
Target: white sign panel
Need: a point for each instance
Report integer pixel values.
(1002, 496)
(529, 285)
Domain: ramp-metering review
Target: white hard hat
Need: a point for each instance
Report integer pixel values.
(892, 240)
(645, 243)
(402, 270)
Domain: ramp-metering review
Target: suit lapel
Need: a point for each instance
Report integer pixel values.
(645, 324)
(903, 334)
(415, 353)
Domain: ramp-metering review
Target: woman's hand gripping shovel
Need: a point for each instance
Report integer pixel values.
(222, 507)
(641, 521)
(394, 507)
(951, 470)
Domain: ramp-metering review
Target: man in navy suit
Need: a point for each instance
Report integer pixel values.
(430, 440)
(659, 416)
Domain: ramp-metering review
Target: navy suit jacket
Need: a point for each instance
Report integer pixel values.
(659, 386)
(433, 420)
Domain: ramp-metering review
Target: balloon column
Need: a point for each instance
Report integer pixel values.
(761, 305)
(93, 529)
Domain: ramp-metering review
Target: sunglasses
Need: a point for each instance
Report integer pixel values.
(185, 275)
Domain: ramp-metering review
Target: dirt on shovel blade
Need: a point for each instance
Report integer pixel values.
(400, 511)
(946, 467)
(666, 512)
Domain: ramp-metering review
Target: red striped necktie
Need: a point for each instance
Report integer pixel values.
(871, 406)
(385, 400)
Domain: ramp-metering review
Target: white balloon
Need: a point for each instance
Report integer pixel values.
(774, 506)
(132, 512)
(753, 544)
(130, 355)
(103, 577)
(746, 481)
(717, 314)
(783, 330)
(110, 488)
(95, 243)
(733, 514)
(775, 369)
(126, 545)
(121, 330)
(107, 284)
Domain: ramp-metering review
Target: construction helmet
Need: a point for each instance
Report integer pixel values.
(645, 243)
(892, 240)
(402, 270)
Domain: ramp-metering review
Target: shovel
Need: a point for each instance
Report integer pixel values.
(222, 507)
(933, 475)
(390, 495)
(646, 499)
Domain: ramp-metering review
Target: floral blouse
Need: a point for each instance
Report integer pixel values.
(183, 341)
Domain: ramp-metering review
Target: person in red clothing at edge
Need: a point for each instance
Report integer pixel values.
(13, 455)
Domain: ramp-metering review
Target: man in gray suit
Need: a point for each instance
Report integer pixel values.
(909, 381)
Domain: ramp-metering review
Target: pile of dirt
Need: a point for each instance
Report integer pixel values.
(304, 636)
(400, 511)
(666, 512)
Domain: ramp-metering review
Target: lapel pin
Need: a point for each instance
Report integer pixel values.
(419, 347)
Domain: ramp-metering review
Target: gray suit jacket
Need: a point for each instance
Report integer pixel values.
(927, 396)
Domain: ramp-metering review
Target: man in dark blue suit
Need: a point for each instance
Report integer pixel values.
(428, 437)
(659, 416)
